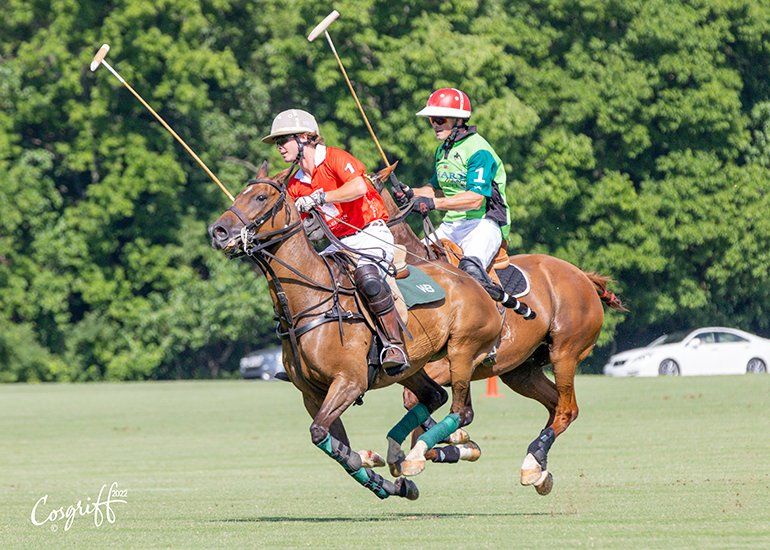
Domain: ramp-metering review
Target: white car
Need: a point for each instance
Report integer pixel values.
(704, 351)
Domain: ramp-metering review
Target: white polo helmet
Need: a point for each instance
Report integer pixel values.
(291, 121)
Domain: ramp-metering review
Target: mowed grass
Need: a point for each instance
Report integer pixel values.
(670, 462)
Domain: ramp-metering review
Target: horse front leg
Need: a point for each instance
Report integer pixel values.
(461, 413)
(458, 446)
(340, 396)
(438, 371)
(428, 397)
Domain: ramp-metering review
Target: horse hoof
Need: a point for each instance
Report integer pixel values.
(530, 477)
(407, 489)
(412, 467)
(531, 471)
(371, 459)
(459, 437)
(469, 451)
(395, 469)
(545, 487)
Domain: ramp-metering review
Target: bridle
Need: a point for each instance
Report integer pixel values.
(260, 248)
(250, 241)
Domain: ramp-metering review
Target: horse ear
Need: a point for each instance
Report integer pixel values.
(262, 173)
(384, 174)
(281, 176)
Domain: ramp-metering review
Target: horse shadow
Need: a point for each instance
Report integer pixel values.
(407, 516)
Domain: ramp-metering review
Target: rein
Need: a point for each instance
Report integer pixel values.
(260, 249)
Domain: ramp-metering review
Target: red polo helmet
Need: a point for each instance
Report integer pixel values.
(447, 102)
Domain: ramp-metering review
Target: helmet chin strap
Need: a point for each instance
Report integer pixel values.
(459, 131)
(300, 151)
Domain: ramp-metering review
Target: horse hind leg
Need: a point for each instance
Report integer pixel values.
(422, 396)
(530, 381)
(534, 469)
(340, 396)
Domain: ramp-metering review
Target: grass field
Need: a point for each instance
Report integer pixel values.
(650, 463)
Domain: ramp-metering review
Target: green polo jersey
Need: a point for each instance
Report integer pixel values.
(472, 165)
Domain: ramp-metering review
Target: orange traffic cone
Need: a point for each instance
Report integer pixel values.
(492, 387)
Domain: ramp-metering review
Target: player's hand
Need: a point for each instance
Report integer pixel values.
(308, 202)
(423, 205)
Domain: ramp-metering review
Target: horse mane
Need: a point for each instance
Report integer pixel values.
(605, 295)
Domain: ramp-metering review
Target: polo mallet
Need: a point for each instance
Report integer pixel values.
(99, 60)
(321, 28)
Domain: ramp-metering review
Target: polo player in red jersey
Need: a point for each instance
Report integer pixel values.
(331, 179)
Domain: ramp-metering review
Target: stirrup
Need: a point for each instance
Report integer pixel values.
(491, 358)
(394, 371)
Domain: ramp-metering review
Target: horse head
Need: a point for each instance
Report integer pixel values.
(259, 212)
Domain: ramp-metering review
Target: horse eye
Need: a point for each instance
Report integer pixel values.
(261, 198)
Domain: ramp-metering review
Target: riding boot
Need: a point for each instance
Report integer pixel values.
(473, 267)
(379, 300)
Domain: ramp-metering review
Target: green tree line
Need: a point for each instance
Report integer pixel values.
(636, 137)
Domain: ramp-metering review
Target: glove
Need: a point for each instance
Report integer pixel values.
(307, 203)
(312, 226)
(423, 205)
(402, 195)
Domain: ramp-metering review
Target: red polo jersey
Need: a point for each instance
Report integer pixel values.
(334, 168)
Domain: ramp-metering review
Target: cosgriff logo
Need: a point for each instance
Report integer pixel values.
(100, 509)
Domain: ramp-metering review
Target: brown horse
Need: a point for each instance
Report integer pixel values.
(326, 341)
(568, 304)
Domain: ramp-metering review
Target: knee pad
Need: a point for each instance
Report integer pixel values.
(368, 280)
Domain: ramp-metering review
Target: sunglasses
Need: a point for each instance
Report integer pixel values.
(283, 140)
(437, 121)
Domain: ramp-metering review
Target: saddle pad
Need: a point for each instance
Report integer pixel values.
(514, 281)
(419, 288)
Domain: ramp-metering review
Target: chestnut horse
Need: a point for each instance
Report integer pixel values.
(326, 340)
(568, 304)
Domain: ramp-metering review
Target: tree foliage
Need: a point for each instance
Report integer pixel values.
(635, 135)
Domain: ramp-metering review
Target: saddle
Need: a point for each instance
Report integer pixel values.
(512, 278)
(416, 288)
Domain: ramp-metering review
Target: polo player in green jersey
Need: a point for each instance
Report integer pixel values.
(468, 182)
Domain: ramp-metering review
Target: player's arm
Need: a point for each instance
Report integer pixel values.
(349, 191)
(467, 200)
(431, 191)
(348, 173)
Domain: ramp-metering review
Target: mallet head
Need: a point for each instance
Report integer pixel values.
(99, 57)
(323, 25)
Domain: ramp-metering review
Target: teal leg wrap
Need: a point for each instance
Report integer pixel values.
(441, 431)
(352, 464)
(411, 420)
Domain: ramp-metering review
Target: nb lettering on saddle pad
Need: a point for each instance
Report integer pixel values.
(419, 288)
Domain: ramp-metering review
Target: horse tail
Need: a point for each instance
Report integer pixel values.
(606, 296)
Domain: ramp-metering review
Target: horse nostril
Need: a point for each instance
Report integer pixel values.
(219, 233)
